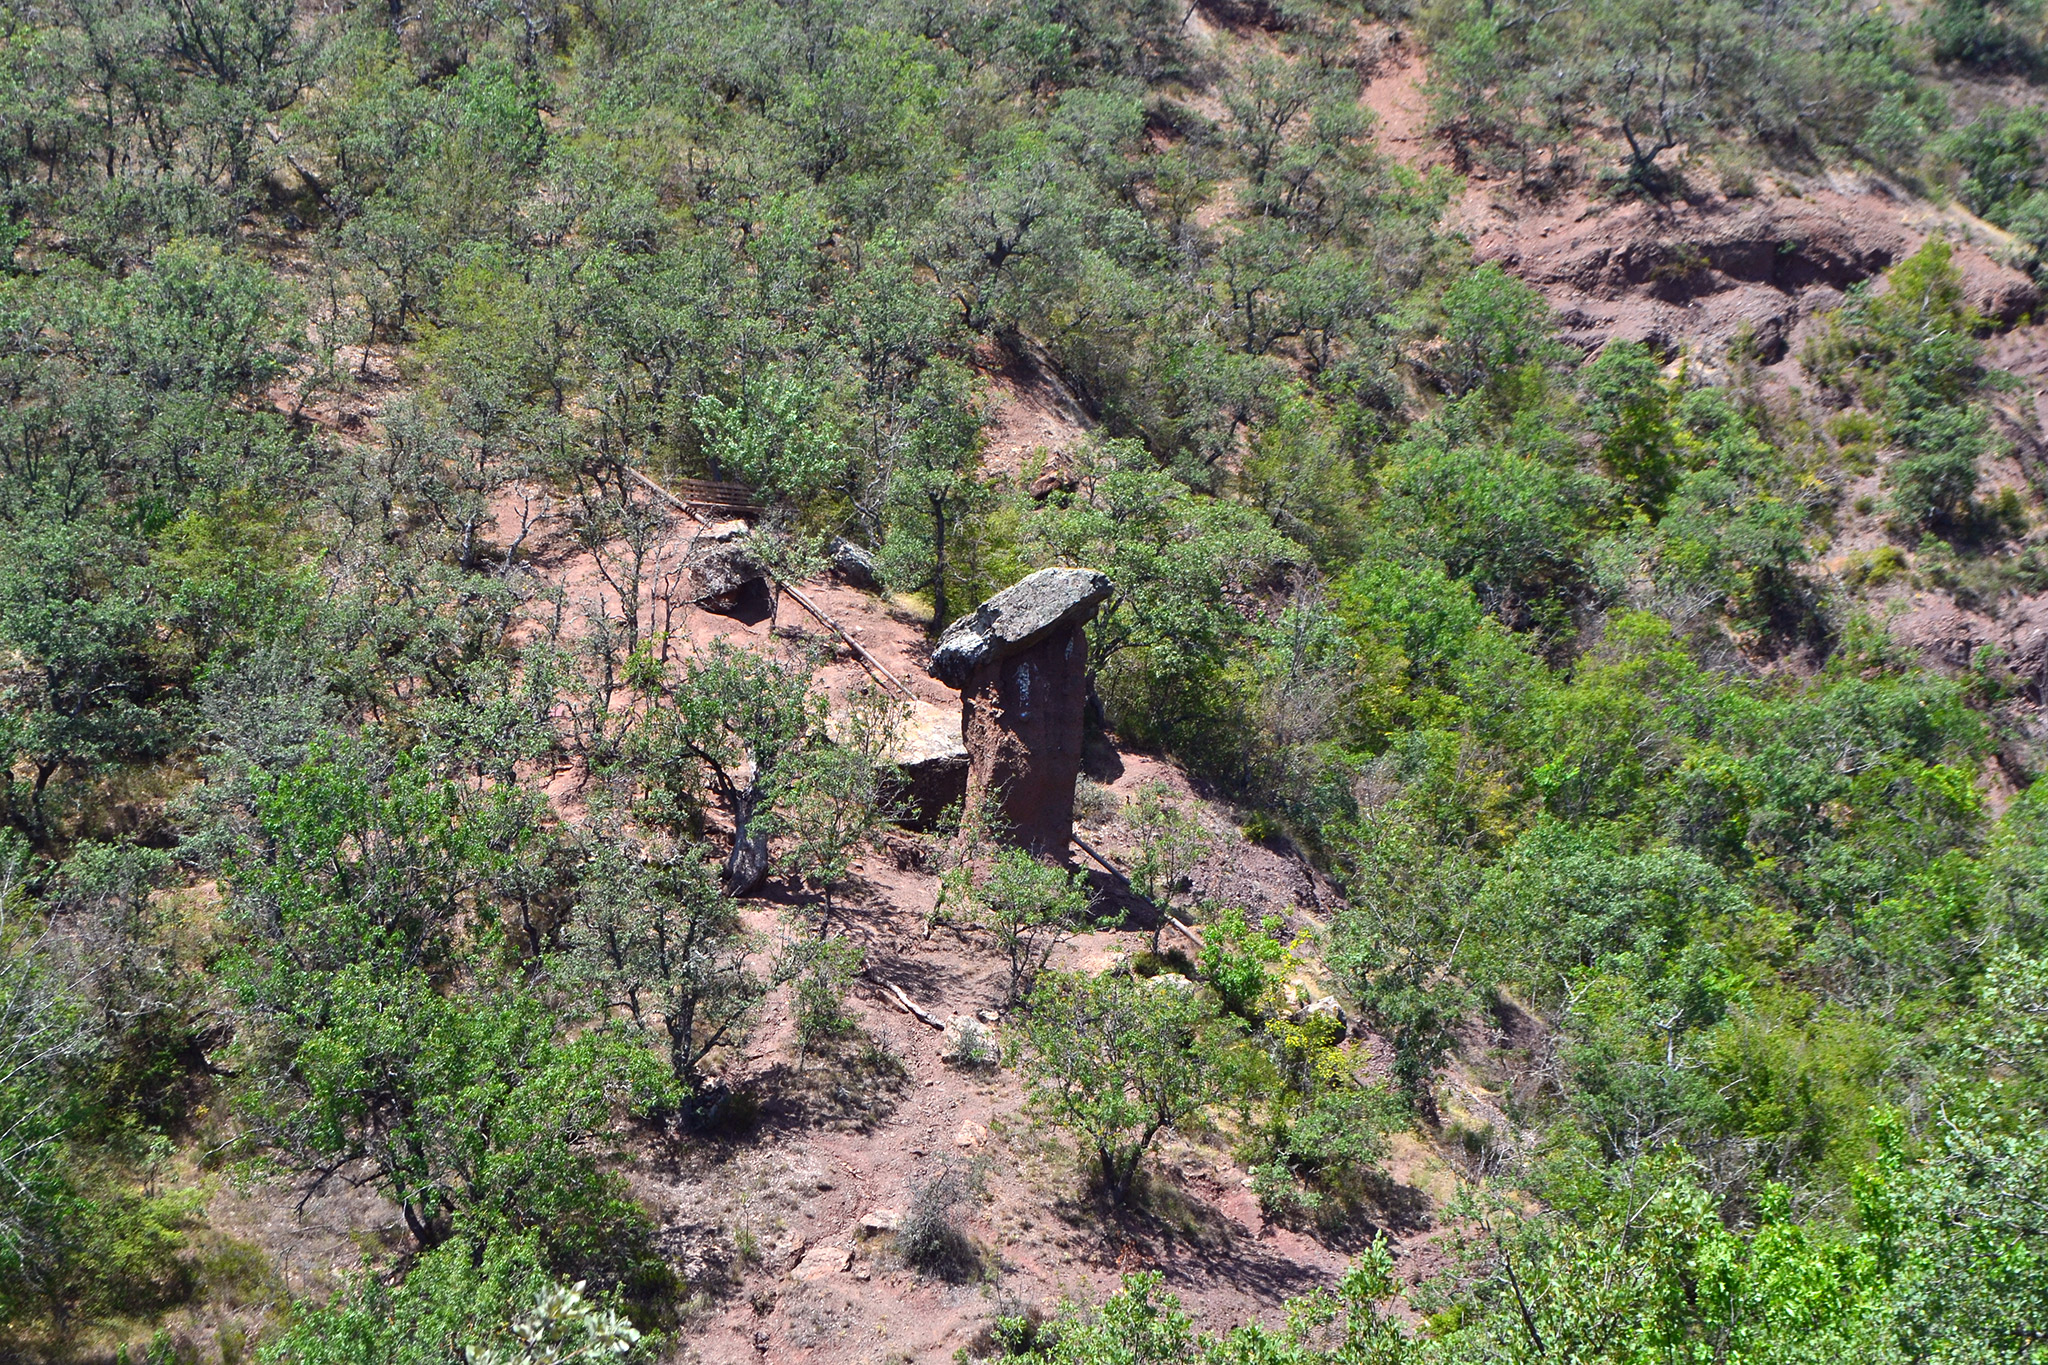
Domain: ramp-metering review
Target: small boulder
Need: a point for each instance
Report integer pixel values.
(966, 1042)
(1327, 1007)
(880, 1223)
(727, 579)
(854, 566)
(1015, 619)
(1051, 482)
(821, 1261)
(930, 759)
(971, 1135)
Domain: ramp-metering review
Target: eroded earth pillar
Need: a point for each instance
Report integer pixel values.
(1020, 661)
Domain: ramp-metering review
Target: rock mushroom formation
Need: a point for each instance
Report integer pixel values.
(1020, 661)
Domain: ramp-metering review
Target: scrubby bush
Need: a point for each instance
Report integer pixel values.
(819, 972)
(930, 1236)
(1026, 907)
(1237, 960)
(495, 1305)
(1118, 1064)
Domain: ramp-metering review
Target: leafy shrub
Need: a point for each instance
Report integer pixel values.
(1027, 907)
(492, 1304)
(1171, 845)
(1875, 568)
(819, 971)
(1118, 1064)
(930, 1236)
(1237, 960)
(1983, 33)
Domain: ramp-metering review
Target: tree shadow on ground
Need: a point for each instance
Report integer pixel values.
(1192, 1242)
(848, 1084)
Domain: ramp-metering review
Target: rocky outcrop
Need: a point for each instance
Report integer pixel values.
(1020, 661)
(931, 758)
(1699, 275)
(725, 577)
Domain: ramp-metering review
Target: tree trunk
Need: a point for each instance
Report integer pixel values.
(938, 566)
(747, 864)
(1126, 1177)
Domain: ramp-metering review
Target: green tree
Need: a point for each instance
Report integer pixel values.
(1117, 1064)
(727, 720)
(77, 605)
(1142, 1324)
(662, 941)
(819, 970)
(42, 1031)
(1026, 907)
(1912, 353)
(1402, 945)
(837, 797)
(931, 484)
(1237, 959)
(1495, 328)
(466, 1300)
(1644, 1266)
(474, 1114)
(779, 436)
(1171, 845)
(1175, 559)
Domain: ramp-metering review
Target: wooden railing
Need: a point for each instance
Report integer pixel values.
(735, 497)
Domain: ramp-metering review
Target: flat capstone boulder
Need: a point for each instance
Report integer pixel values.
(1015, 619)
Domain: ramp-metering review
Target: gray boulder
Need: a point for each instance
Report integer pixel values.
(1327, 1007)
(722, 568)
(725, 577)
(1015, 619)
(854, 567)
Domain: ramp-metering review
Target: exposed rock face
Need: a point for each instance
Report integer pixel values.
(1020, 661)
(821, 1261)
(930, 759)
(854, 567)
(928, 756)
(1327, 1007)
(724, 575)
(933, 760)
(1699, 275)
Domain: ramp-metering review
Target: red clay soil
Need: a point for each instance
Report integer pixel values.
(1694, 276)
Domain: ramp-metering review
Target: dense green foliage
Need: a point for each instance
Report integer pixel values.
(308, 315)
